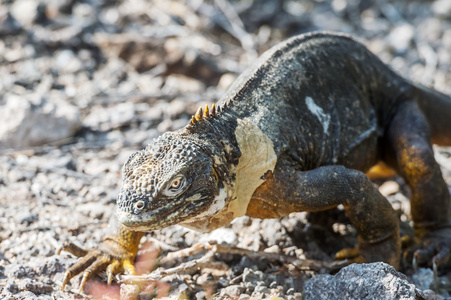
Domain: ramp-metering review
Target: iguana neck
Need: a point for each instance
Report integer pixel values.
(216, 137)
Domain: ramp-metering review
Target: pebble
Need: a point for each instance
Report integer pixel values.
(389, 188)
(232, 291)
(442, 8)
(18, 271)
(221, 236)
(24, 11)
(27, 122)
(400, 38)
(129, 291)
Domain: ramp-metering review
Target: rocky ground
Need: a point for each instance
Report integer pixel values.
(86, 83)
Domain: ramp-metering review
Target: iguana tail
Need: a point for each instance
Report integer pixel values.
(437, 109)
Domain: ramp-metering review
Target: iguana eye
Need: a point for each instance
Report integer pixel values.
(176, 186)
(176, 183)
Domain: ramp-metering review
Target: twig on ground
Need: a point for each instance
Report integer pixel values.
(212, 249)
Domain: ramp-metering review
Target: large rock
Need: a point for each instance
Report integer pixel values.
(362, 281)
(25, 122)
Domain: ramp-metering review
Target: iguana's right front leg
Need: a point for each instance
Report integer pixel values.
(115, 254)
(329, 186)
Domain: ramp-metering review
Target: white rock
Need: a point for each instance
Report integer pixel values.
(221, 235)
(442, 8)
(401, 37)
(24, 11)
(26, 123)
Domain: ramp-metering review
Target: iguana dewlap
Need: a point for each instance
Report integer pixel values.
(295, 132)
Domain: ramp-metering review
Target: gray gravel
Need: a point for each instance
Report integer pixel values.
(86, 83)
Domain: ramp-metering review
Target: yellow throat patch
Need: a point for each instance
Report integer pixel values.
(257, 157)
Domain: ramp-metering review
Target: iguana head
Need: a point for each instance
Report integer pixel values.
(171, 181)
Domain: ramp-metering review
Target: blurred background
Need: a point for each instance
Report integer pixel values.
(83, 84)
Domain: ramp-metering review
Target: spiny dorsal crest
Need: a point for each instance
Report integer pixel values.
(203, 114)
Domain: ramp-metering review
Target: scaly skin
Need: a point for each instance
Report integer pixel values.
(295, 132)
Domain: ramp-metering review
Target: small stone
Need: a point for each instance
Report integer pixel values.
(25, 11)
(274, 233)
(27, 217)
(232, 290)
(297, 296)
(261, 289)
(8, 25)
(129, 291)
(36, 287)
(401, 37)
(273, 249)
(389, 188)
(201, 295)
(51, 266)
(27, 123)
(442, 8)
(18, 271)
(250, 275)
(221, 236)
(11, 287)
(67, 63)
(204, 279)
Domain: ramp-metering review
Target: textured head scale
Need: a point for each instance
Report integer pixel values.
(166, 183)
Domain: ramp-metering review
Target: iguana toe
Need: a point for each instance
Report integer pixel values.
(109, 258)
(347, 253)
(433, 249)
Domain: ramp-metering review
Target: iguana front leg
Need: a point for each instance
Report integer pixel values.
(327, 187)
(115, 254)
(410, 153)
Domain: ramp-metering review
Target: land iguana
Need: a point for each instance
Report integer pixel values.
(296, 132)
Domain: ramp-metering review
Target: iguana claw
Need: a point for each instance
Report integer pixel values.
(114, 255)
(92, 263)
(433, 249)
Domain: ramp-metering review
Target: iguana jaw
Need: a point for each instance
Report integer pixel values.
(151, 220)
(162, 217)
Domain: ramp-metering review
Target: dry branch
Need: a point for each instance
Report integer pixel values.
(212, 249)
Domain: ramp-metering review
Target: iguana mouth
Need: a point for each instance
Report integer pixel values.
(153, 219)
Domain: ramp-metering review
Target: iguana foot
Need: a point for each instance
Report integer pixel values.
(110, 256)
(387, 251)
(433, 248)
(95, 261)
(348, 253)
